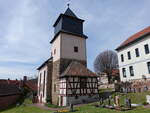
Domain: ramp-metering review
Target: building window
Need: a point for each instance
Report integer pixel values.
(83, 83)
(129, 55)
(122, 58)
(137, 52)
(131, 71)
(148, 66)
(54, 51)
(146, 49)
(124, 72)
(75, 49)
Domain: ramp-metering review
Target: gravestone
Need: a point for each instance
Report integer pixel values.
(117, 101)
(128, 103)
(148, 98)
(71, 107)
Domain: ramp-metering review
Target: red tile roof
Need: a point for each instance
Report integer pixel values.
(77, 69)
(9, 87)
(31, 85)
(134, 37)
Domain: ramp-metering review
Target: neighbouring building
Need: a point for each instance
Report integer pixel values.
(134, 56)
(64, 78)
(103, 79)
(12, 90)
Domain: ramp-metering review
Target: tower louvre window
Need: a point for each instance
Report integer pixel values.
(75, 49)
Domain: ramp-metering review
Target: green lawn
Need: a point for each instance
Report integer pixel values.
(83, 109)
(138, 98)
(92, 109)
(25, 109)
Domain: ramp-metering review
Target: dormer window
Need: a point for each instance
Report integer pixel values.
(76, 49)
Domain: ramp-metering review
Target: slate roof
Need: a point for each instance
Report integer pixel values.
(43, 64)
(138, 36)
(70, 13)
(77, 69)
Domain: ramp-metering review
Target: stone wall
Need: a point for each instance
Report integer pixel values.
(55, 81)
(59, 67)
(49, 80)
(138, 85)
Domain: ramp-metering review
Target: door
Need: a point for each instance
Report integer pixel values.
(61, 100)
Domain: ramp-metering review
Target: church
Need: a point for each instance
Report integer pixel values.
(64, 78)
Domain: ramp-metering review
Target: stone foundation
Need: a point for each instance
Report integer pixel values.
(139, 85)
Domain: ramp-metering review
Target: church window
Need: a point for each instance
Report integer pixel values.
(54, 51)
(39, 83)
(44, 83)
(75, 49)
(54, 87)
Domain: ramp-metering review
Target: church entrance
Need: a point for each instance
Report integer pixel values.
(61, 100)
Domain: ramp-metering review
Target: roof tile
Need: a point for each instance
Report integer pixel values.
(135, 37)
(77, 69)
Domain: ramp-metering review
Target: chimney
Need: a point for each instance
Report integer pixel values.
(24, 79)
(8, 81)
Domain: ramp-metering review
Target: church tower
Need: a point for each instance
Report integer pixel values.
(68, 44)
(64, 78)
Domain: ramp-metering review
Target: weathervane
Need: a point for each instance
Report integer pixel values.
(68, 4)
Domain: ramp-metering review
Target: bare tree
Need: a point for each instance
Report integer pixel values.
(106, 62)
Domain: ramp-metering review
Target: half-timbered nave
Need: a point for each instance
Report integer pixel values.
(77, 85)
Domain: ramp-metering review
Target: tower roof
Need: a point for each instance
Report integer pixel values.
(69, 12)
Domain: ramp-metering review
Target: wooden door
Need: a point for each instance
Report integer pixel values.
(61, 100)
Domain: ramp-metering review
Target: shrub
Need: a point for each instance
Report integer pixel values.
(145, 103)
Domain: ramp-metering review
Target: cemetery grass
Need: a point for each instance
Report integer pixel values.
(137, 98)
(25, 109)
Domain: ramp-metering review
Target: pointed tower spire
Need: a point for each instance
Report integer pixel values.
(69, 12)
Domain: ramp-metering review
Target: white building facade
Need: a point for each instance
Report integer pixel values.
(134, 56)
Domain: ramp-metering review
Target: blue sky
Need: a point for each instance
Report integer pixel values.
(26, 29)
